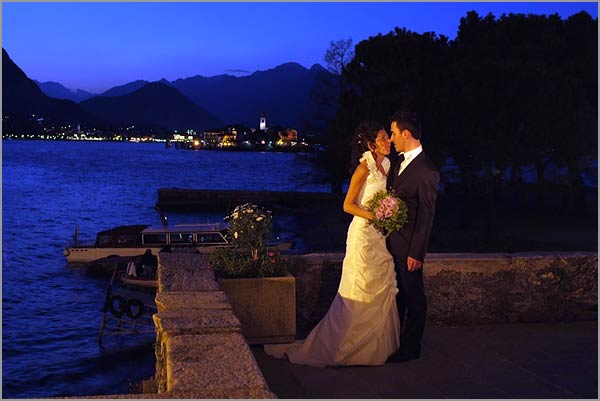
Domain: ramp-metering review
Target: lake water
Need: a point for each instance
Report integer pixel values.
(51, 312)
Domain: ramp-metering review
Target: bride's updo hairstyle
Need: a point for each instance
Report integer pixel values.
(363, 140)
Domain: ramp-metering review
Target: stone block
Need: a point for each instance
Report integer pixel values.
(265, 306)
(191, 300)
(188, 279)
(196, 321)
(213, 366)
(307, 272)
(220, 394)
(466, 262)
(149, 386)
(176, 260)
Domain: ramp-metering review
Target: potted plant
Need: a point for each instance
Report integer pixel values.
(255, 279)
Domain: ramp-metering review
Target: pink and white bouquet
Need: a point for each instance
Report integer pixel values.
(390, 211)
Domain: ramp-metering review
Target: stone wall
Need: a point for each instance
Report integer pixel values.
(200, 350)
(521, 287)
(473, 288)
(201, 353)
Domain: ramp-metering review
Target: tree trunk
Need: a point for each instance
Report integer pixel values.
(491, 220)
(540, 186)
(576, 189)
(517, 187)
(466, 211)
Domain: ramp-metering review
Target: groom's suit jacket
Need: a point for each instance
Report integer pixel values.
(417, 186)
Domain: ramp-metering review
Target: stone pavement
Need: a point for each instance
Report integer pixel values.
(519, 360)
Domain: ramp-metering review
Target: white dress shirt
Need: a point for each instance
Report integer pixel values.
(409, 157)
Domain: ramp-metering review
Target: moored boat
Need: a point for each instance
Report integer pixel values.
(134, 240)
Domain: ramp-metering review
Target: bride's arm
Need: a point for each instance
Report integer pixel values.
(356, 183)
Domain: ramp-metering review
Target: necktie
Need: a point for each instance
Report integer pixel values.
(398, 163)
(394, 172)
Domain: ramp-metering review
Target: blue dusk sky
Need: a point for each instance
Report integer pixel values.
(96, 46)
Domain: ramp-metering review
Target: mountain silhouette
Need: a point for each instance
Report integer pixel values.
(22, 99)
(282, 93)
(154, 104)
(125, 89)
(58, 91)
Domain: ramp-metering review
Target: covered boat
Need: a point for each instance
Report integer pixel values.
(133, 240)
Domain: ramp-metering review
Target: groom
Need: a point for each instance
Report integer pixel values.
(415, 180)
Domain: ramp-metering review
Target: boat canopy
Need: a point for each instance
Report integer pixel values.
(185, 234)
(120, 237)
(194, 227)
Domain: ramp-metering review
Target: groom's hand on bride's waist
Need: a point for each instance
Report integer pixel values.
(413, 264)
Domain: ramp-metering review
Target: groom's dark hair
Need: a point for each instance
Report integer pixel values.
(408, 120)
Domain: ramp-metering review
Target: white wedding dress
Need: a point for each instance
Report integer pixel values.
(362, 325)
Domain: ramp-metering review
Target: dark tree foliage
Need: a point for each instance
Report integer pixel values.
(337, 142)
(543, 110)
(338, 55)
(390, 72)
(510, 91)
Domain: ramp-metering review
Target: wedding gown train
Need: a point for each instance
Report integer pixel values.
(361, 326)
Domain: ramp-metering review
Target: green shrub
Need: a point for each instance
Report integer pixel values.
(249, 229)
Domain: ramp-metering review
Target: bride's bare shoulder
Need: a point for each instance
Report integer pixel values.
(362, 166)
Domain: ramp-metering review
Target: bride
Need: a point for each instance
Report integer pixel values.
(362, 325)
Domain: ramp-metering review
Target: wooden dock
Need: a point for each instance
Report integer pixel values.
(219, 200)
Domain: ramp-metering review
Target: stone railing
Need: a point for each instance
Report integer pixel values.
(518, 287)
(474, 288)
(200, 351)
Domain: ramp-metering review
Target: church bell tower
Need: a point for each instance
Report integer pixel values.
(263, 122)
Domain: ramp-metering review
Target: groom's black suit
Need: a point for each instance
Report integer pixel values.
(417, 186)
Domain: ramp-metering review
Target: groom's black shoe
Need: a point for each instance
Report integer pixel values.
(401, 356)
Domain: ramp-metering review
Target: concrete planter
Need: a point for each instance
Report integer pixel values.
(266, 307)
